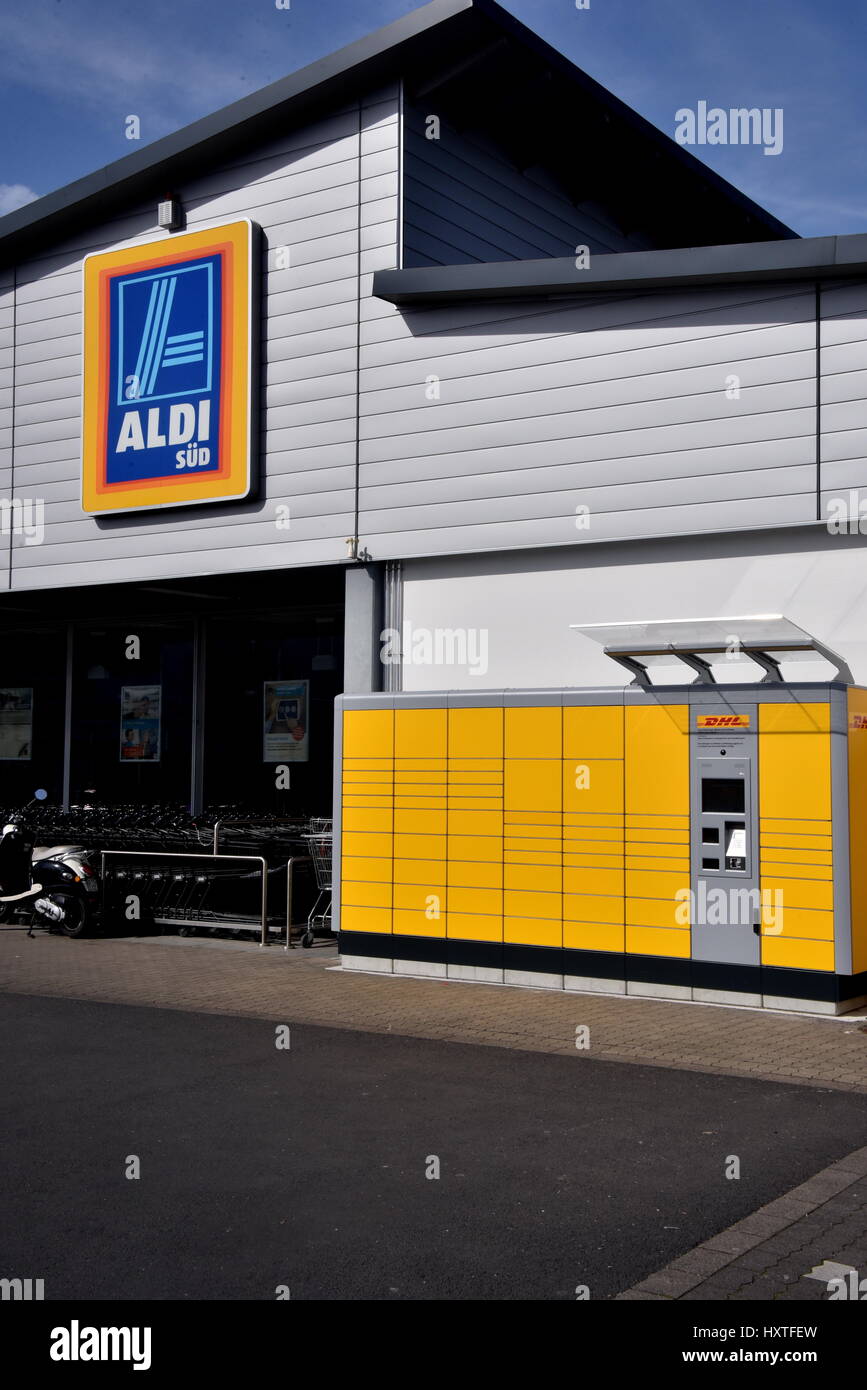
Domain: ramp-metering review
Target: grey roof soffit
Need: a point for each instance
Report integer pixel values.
(444, 30)
(808, 258)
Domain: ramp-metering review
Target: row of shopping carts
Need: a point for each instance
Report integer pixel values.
(230, 867)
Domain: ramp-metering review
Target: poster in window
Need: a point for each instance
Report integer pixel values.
(286, 733)
(16, 723)
(140, 710)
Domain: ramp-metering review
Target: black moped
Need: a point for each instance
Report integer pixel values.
(53, 888)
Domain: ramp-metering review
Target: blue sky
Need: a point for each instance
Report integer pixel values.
(71, 71)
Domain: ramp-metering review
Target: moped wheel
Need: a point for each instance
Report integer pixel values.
(76, 922)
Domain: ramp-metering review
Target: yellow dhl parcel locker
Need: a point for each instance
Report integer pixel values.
(701, 842)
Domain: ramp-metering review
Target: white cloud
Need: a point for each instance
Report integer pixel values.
(15, 195)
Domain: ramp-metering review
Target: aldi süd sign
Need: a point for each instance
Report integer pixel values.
(167, 410)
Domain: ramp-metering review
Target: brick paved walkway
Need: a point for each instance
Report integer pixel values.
(786, 1251)
(223, 977)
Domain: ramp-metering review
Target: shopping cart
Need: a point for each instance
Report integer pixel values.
(320, 842)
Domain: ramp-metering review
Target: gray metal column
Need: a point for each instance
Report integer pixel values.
(362, 666)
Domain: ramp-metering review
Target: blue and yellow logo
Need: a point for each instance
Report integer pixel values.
(167, 371)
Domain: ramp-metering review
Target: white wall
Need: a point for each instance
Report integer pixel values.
(525, 602)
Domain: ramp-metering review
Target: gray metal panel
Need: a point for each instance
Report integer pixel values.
(306, 196)
(482, 699)
(841, 847)
(506, 458)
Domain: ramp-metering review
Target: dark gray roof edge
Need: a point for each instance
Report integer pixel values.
(375, 56)
(808, 258)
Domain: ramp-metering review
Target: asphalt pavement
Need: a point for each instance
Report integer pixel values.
(305, 1169)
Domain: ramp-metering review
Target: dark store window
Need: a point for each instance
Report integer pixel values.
(132, 713)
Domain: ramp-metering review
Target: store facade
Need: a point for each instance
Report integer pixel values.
(447, 393)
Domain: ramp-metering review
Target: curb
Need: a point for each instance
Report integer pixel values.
(688, 1271)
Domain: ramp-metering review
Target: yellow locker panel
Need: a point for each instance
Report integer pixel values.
(540, 878)
(657, 823)
(664, 857)
(471, 848)
(592, 861)
(657, 941)
(796, 922)
(653, 838)
(533, 931)
(420, 897)
(365, 894)
(592, 835)
(474, 927)
(368, 733)
(430, 871)
(475, 733)
(367, 846)
(365, 870)
(420, 733)
(593, 731)
(374, 919)
(533, 784)
(534, 731)
(592, 786)
(784, 866)
(607, 882)
(420, 822)
(585, 907)
(657, 912)
(592, 936)
(476, 875)
(804, 844)
(799, 892)
(657, 760)
(654, 883)
(488, 901)
(795, 761)
(463, 822)
(797, 955)
(419, 846)
(367, 818)
(522, 904)
(417, 924)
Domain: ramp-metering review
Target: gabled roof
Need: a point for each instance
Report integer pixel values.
(471, 55)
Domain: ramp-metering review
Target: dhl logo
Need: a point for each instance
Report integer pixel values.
(858, 721)
(723, 721)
